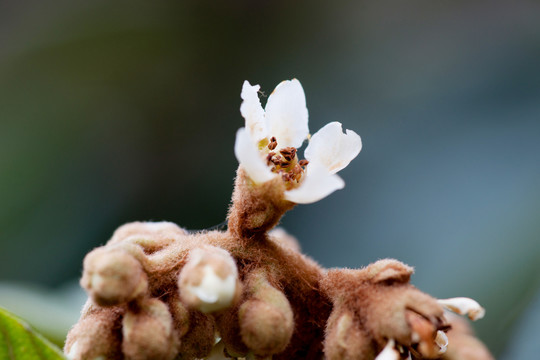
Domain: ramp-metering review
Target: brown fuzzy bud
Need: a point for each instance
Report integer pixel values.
(209, 280)
(148, 332)
(112, 277)
(198, 342)
(345, 339)
(266, 320)
(151, 236)
(97, 335)
(387, 307)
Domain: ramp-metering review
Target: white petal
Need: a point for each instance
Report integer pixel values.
(287, 115)
(214, 292)
(389, 352)
(442, 341)
(318, 183)
(331, 147)
(252, 111)
(249, 158)
(464, 306)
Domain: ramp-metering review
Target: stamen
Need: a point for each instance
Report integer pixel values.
(297, 172)
(303, 162)
(269, 157)
(273, 143)
(288, 153)
(276, 160)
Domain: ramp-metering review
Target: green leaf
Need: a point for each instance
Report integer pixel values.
(19, 341)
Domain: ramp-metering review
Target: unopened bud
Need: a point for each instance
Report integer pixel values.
(148, 333)
(113, 277)
(209, 280)
(267, 320)
(96, 336)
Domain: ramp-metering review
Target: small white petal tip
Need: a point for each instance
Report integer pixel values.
(214, 292)
(389, 352)
(442, 341)
(464, 306)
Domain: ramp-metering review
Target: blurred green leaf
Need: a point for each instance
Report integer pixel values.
(19, 341)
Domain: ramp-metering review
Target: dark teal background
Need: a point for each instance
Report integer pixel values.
(118, 111)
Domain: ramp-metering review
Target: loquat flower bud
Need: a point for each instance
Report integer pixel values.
(266, 319)
(147, 332)
(209, 280)
(195, 330)
(112, 277)
(97, 335)
(152, 236)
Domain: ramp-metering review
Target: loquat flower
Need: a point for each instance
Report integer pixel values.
(267, 146)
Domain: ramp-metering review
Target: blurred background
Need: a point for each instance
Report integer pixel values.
(112, 112)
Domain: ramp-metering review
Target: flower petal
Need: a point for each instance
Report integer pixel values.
(318, 183)
(252, 111)
(331, 147)
(442, 341)
(249, 158)
(389, 352)
(464, 306)
(287, 115)
(214, 292)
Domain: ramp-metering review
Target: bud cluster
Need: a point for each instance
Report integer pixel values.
(157, 291)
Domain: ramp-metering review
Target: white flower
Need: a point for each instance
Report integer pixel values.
(266, 146)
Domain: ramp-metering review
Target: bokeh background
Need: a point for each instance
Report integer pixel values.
(112, 112)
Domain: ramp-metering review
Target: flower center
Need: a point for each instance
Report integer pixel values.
(285, 163)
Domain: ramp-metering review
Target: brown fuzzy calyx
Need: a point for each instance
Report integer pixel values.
(256, 208)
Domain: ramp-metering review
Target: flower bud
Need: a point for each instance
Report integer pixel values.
(96, 336)
(266, 320)
(209, 280)
(198, 342)
(152, 236)
(113, 277)
(148, 332)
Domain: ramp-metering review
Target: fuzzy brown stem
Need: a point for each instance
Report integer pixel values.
(256, 208)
